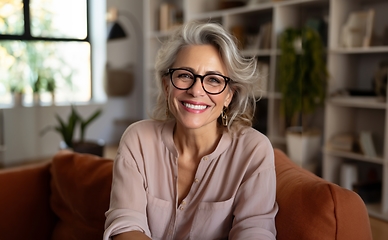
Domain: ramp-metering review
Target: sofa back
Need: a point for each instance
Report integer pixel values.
(313, 208)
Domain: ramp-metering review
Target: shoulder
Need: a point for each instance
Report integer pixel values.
(252, 145)
(251, 137)
(142, 129)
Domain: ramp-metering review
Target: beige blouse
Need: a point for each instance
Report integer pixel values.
(232, 196)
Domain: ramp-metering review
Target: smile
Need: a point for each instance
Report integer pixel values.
(195, 107)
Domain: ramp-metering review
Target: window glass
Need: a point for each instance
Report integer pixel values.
(37, 66)
(52, 60)
(59, 18)
(11, 17)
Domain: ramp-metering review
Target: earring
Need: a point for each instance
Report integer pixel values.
(167, 109)
(224, 117)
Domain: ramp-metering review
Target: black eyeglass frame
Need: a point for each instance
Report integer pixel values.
(202, 77)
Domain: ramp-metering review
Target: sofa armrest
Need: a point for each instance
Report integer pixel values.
(24, 202)
(313, 208)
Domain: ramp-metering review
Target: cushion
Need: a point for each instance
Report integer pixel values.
(24, 194)
(313, 208)
(80, 185)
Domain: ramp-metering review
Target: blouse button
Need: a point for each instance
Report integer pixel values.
(205, 158)
(196, 180)
(181, 208)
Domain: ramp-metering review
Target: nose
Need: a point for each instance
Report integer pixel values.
(197, 88)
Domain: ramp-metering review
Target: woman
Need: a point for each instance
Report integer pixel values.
(198, 170)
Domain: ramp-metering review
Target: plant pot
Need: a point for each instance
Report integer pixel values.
(17, 99)
(90, 147)
(303, 147)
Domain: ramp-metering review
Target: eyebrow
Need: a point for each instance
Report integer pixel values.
(206, 73)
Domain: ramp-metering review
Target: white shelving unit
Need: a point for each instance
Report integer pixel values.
(348, 68)
(353, 68)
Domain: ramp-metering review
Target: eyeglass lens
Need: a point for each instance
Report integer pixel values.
(184, 79)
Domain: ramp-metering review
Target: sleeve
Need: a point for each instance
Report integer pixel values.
(127, 210)
(255, 203)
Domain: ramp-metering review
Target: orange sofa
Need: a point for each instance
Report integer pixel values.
(67, 197)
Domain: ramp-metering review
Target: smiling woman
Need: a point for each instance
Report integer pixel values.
(44, 52)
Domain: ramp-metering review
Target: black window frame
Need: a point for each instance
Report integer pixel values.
(26, 36)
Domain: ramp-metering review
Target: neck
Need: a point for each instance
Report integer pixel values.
(196, 142)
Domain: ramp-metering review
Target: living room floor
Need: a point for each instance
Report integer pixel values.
(379, 227)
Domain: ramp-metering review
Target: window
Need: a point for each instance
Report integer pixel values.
(44, 51)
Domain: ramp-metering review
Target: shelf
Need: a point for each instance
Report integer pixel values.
(257, 52)
(358, 102)
(352, 155)
(232, 11)
(361, 50)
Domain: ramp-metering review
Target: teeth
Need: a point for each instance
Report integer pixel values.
(196, 107)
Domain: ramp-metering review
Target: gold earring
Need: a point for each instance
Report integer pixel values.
(224, 117)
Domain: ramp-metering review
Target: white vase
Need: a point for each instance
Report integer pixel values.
(303, 147)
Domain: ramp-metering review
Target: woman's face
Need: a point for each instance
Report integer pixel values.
(194, 108)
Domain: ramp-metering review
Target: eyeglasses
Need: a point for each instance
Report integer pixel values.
(184, 79)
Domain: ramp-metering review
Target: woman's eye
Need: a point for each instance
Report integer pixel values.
(213, 80)
(184, 75)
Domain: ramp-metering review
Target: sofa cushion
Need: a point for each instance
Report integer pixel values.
(80, 185)
(25, 207)
(312, 208)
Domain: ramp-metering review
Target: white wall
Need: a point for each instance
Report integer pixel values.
(22, 125)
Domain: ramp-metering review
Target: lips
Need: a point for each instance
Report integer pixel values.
(194, 106)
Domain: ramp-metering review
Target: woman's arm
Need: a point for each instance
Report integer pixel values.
(136, 235)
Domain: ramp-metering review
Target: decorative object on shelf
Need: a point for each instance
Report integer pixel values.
(67, 132)
(358, 30)
(380, 81)
(344, 142)
(261, 39)
(349, 175)
(170, 16)
(302, 81)
(366, 144)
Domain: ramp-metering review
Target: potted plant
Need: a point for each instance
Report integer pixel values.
(67, 131)
(302, 77)
(36, 89)
(17, 92)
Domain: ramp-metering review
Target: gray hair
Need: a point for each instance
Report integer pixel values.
(242, 71)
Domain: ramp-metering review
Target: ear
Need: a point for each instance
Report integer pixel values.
(228, 97)
(166, 86)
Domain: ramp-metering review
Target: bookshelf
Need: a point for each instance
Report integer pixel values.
(348, 68)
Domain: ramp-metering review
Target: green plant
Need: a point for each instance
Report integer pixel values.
(302, 74)
(67, 129)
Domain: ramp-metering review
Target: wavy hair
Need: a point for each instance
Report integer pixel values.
(243, 71)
